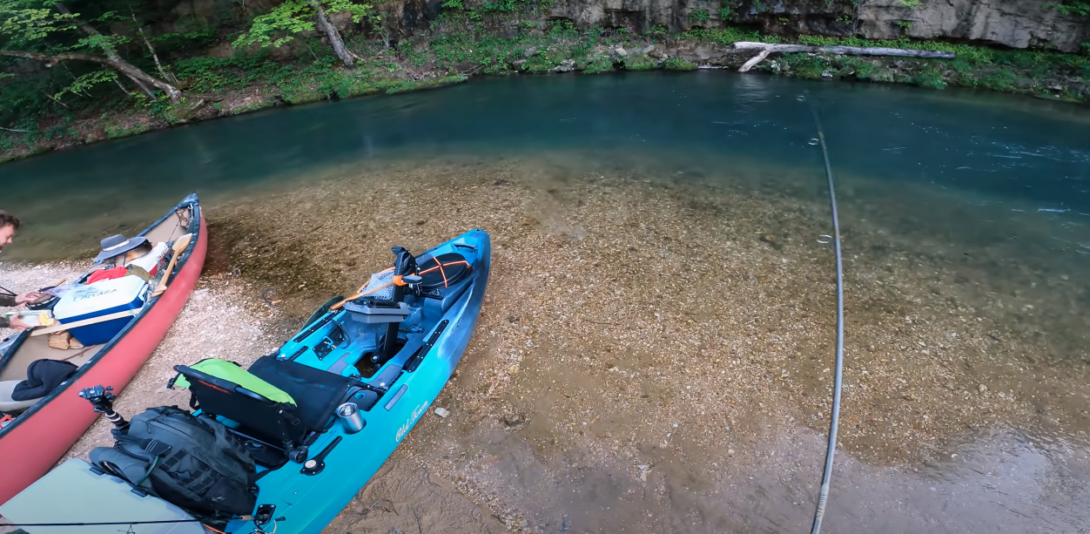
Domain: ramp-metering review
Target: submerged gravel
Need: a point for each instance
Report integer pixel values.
(656, 326)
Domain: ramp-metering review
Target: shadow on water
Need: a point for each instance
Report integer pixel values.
(654, 352)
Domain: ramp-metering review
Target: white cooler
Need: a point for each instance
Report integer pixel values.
(98, 299)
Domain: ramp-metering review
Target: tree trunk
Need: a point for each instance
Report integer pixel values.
(334, 36)
(766, 49)
(158, 65)
(115, 63)
(113, 56)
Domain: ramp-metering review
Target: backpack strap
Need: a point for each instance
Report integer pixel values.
(153, 447)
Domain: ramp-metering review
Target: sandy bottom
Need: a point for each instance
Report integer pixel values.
(655, 349)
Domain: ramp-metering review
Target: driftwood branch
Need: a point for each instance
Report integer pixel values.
(115, 63)
(141, 79)
(51, 97)
(755, 60)
(13, 130)
(331, 32)
(766, 49)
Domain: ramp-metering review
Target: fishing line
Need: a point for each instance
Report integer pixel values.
(826, 476)
(106, 523)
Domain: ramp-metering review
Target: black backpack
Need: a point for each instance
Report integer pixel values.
(191, 462)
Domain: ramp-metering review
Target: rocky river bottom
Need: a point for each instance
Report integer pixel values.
(655, 350)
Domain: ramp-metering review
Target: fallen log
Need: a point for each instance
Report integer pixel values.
(765, 49)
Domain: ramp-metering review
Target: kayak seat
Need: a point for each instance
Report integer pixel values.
(271, 421)
(317, 392)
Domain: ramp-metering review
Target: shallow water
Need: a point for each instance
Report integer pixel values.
(658, 264)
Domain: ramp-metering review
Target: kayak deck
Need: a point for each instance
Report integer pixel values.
(391, 395)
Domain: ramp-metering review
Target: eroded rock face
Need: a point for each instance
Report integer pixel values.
(1013, 23)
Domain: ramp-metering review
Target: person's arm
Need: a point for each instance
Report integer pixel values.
(7, 300)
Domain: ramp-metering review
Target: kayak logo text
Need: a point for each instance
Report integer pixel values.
(417, 412)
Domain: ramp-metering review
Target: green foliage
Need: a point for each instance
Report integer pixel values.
(911, 4)
(929, 76)
(698, 15)
(638, 62)
(1073, 7)
(726, 36)
(294, 17)
(597, 65)
(115, 131)
(806, 66)
(1001, 79)
(24, 22)
(658, 33)
(283, 22)
(676, 63)
(403, 86)
(724, 12)
(563, 29)
(904, 24)
(87, 81)
(501, 6)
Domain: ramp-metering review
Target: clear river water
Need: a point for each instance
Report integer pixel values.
(655, 354)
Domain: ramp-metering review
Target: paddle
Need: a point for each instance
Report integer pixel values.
(95, 320)
(178, 247)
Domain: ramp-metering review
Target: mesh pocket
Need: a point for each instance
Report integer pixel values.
(381, 286)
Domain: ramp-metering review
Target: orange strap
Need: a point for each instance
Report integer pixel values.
(443, 272)
(362, 293)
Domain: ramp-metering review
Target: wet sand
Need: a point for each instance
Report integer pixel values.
(655, 349)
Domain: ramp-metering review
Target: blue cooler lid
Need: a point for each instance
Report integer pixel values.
(99, 296)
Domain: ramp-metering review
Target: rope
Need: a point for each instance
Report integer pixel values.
(826, 476)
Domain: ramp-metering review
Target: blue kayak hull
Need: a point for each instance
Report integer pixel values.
(307, 503)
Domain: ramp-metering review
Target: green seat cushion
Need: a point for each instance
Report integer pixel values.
(232, 373)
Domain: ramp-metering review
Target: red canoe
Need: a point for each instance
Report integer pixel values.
(39, 436)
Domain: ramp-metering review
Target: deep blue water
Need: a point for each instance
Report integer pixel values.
(985, 144)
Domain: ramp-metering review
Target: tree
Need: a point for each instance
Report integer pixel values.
(297, 16)
(47, 31)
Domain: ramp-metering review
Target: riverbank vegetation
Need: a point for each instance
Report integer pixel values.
(79, 71)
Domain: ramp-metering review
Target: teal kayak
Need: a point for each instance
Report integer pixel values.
(398, 369)
(314, 421)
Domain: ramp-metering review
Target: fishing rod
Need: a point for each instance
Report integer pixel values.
(826, 477)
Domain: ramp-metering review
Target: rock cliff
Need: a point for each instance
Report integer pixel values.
(1012, 23)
